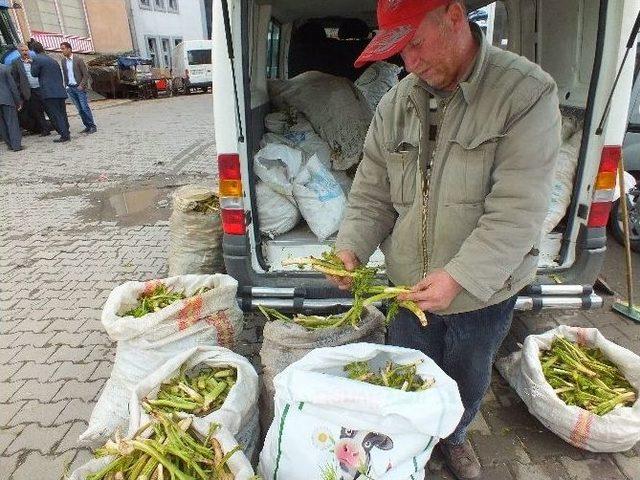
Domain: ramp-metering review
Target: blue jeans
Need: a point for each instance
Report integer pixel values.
(79, 99)
(464, 345)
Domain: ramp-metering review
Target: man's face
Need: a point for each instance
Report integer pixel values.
(431, 53)
(66, 51)
(24, 52)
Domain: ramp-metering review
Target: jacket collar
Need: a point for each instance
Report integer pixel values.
(470, 86)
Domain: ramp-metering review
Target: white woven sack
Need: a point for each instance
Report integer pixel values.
(277, 165)
(236, 411)
(277, 213)
(327, 426)
(616, 431)
(377, 80)
(296, 131)
(320, 198)
(145, 343)
(336, 109)
(238, 463)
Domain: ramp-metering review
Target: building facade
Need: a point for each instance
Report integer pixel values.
(90, 26)
(159, 25)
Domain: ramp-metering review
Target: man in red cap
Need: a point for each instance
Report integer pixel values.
(453, 186)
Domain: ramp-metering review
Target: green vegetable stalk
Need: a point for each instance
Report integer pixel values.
(173, 450)
(363, 287)
(200, 392)
(160, 297)
(399, 377)
(584, 377)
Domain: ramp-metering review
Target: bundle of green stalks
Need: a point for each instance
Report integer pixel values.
(200, 393)
(392, 375)
(584, 377)
(158, 298)
(363, 286)
(173, 451)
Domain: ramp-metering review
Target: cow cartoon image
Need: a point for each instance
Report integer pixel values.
(353, 451)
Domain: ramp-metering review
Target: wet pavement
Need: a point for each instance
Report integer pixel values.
(78, 219)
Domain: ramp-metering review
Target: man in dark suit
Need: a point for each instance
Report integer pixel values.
(10, 103)
(47, 70)
(32, 114)
(76, 78)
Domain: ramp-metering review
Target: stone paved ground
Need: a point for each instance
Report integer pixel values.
(77, 220)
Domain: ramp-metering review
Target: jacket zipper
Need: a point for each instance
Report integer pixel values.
(422, 191)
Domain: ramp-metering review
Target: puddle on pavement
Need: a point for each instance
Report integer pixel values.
(131, 207)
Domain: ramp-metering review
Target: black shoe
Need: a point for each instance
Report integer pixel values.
(45, 134)
(17, 149)
(86, 130)
(61, 140)
(92, 130)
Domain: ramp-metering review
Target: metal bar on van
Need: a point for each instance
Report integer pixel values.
(581, 290)
(261, 292)
(523, 303)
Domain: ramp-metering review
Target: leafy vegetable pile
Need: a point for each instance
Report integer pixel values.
(173, 450)
(584, 377)
(365, 292)
(400, 377)
(209, 205)
(158, 298)
(200, 394)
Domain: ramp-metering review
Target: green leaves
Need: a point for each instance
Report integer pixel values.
(392, 375)
(158, 298)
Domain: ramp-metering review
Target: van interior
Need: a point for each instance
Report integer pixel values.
(327, 36)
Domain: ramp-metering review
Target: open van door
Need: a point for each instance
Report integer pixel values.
(576, 41)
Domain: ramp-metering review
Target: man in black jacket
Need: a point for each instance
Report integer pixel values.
(32, 114)
(47, 70)
(10, 103)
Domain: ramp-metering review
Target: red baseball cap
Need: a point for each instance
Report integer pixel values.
(398, 21)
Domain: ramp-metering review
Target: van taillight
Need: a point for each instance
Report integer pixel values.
(604, 186)
(230, 192)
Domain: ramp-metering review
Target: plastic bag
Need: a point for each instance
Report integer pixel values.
(320, 198)
(293, 129)
(277, 213)
(616, 431)
(236, 413)
(277, 165)
(377, 80)
(328, 426)
(195, 237)
(285, 343)
(335, 108)
(145, 343)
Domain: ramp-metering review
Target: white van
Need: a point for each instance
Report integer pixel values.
(579, 42)
(191, 67)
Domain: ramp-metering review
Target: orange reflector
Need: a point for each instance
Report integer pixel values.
(605, 180)
(230, 188)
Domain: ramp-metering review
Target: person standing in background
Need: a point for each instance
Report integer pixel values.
(48, 73)
(10, 103)
(76, 79)
(32, 114)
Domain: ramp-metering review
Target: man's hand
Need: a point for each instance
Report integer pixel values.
(80, 88)
(350, 261)
(435, 292)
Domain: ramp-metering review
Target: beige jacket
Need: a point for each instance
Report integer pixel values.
(490, 184)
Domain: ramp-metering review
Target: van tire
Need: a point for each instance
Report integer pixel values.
(616, 229)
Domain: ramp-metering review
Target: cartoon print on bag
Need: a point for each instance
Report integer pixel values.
(353, 451)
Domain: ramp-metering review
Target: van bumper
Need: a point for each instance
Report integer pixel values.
(295, 291)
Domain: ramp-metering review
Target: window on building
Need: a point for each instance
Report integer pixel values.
(145, 3)
(172, 6)
(273, 49)
(494, 22)
(152, 51)
(177, 41)
(165, 44)
(199, 57)
(158, 4)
